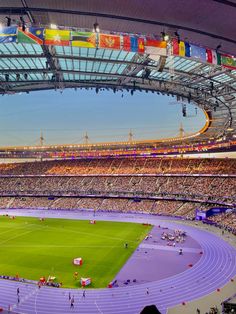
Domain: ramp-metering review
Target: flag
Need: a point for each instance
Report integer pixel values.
(141, 45)
(31, 35)
(198, 53)
(175, 46)
(187, 49)
(156, 47)
(182, 48)
(83, 39)
(134, 44)
(228, 61)
(213, 57)
(57, 37)
(218, 58)
(127, 43)
(109, 41)
(8, 34)
(209, 53)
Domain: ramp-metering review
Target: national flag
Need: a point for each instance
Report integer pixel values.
(156, 47)
(187, 49)
(8, 34)
(213, 57)
(209, 53)
(182, 48)
(198, 53)
(175, 46)
(141, 46)
(109, 41)
(31, 35)
(228, 61)
(83, 39)
(134, 44)
(57, 37)
(127, 43)
(218, 58)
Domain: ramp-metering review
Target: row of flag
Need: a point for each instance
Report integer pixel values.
(42, 36)
(185, 49)
(154, 48)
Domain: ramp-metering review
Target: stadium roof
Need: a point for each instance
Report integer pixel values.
(208, 22)
(25, 67)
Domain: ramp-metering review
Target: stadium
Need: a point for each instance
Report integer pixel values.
(129, 225)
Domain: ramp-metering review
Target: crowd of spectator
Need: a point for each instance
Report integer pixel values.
(46, 182)
(138, 165)
(212, 188)
(160, 207)
(226, 221)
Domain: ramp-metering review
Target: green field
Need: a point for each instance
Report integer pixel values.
(33, 248)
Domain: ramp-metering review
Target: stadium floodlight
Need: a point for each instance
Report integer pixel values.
(23, 26)
(177, 36)
(53, 26)
(96, 28)
(165, 36)
(8, 23)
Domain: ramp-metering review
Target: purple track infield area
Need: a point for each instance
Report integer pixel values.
(207, 262)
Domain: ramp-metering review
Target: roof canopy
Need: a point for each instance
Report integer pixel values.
(25, 67)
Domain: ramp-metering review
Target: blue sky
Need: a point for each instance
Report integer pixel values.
(64, 118)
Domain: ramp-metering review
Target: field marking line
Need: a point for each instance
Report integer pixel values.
(10, 230)
(59, 246)
(26, 297)
(80, 232)
(90, 234)
(95, 302)
(16, 236)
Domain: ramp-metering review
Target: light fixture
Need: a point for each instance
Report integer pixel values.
(96, 28)
(53, 26)
(8, 21)
(23, 26)
(25, 76)
(165, 36)
(230, 129)
(177, 36)
(17, 76)
(184, 110)
(7, 77)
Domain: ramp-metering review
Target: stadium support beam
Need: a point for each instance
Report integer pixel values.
(136, 64)
(133, 69)
(53, 65)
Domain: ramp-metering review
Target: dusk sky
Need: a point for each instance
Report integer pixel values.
(64, 118)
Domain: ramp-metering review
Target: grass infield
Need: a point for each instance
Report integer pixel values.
(32, 248)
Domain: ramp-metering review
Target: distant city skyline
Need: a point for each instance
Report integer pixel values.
(106, 117)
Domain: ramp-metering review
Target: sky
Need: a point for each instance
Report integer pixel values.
(65, 117)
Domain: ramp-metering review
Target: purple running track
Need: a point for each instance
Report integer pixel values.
(213, 270)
